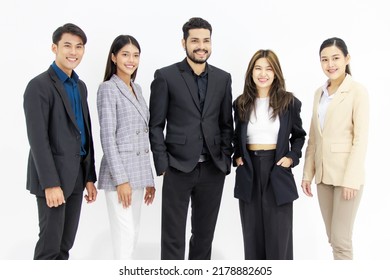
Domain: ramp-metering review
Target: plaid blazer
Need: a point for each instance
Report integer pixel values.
(124, 135)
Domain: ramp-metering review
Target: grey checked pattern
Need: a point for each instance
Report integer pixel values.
(124, 136)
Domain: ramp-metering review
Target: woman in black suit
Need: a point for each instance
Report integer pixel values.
(268, 140)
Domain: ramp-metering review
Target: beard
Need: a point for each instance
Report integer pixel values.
(192, 57)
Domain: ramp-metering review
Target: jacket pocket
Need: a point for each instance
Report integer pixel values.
(283, 185)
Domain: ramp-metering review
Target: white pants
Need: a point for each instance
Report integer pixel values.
(124, 223)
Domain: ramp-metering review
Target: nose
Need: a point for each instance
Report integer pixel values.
(132, 58)
(73, 50)
(201, 45)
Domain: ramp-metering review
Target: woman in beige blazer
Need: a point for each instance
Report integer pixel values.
(125, 171)
(337, 145)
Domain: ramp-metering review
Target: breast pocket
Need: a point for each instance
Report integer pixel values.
(125, 152)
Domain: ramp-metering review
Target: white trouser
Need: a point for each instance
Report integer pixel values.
(124, 223)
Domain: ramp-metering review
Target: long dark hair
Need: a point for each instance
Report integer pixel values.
(340, 44)
(279, 97)
(117, 45)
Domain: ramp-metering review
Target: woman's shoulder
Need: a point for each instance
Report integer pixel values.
(137, 87)
(107, 85)
(355, 87)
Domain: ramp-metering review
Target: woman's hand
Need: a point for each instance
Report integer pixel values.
(124, 194)
(239, 161)
(285, 162)
(349, 193)
(306, 187)
(149, 195)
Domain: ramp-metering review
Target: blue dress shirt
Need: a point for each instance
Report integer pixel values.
(72, 89)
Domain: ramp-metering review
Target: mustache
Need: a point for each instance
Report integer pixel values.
(197, 50)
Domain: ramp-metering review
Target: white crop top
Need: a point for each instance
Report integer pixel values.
(262, 129)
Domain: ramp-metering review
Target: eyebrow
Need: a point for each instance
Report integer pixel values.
(69, 43)
(324, 56)
(136, 52)
(197, 38)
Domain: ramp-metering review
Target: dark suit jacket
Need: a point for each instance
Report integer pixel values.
(174, 102)
(291, 134)
(53, 134)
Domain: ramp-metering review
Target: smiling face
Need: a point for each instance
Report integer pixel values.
(69, 51)
(334, 63)
(198, 45)
(263, 76)
(127, 61)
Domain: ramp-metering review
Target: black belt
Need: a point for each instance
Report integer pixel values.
(262, 153)
(204, 157)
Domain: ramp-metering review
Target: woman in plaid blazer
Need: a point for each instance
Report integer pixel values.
(125, 170)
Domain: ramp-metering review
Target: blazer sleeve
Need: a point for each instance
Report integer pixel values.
(91, 175)
(36, 105)
(106, 105)
(298, 134)
(309, 165)
(357, 155)
(158, 107)
(226, 122)
(237, 135)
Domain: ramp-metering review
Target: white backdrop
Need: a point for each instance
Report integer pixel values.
(293, 29)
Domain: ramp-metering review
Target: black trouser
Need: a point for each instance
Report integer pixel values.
(267, 228)
(58, 225)
(204, 186)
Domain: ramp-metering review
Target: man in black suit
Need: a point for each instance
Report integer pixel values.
(61, 160)
(193, 100)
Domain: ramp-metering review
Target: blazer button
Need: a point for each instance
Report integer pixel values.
(138, 153)
(146, 130)
(137, 132)
(146, 150)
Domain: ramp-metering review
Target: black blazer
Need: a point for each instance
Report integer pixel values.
(174, 102)
(291, 139)
(53, 134)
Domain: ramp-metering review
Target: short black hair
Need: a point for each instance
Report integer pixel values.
(68, 28)
(195, 23)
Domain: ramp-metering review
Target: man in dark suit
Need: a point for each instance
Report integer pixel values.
(193, 100)
(61, 160)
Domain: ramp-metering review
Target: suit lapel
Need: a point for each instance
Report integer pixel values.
(190, 82)
(83, 97)
(211, 83)
(317, 98)
(283, 130)
(131, 97)
(64, 96)
(339, 97)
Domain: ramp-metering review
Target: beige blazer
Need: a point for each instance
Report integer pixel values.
(335, 155)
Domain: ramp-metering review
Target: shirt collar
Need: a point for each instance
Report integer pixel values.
(61, 74)
(203, 74)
